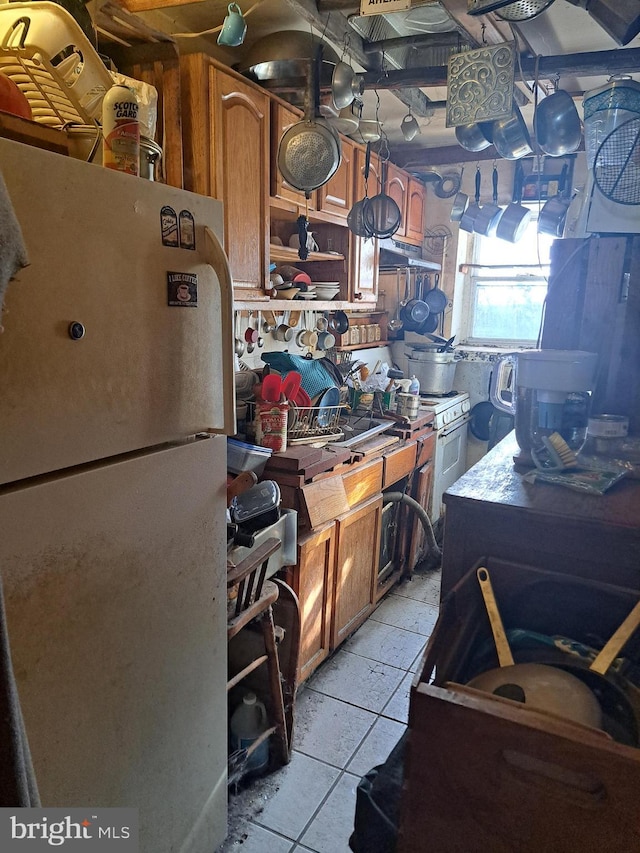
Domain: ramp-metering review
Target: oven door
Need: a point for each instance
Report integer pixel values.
(449, 462)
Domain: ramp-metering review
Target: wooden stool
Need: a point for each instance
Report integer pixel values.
(251, 598)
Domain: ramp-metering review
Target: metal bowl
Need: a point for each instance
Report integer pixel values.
(557, 125)
(473, 137)
(511, 137)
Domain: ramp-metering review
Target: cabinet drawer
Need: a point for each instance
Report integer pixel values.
(399, 463)
(363, 482)
(426, 448)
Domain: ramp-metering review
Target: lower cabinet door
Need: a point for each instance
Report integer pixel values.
(422, 489)
(356, 567)
(312, 581)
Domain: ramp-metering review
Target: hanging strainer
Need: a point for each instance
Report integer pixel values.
(356, 218)
(309, 151)
(523, 10)
(617, 165)
(382, 216)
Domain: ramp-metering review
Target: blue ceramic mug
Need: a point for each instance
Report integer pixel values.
(234, 27)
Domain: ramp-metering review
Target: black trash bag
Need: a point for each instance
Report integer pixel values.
(377, 814)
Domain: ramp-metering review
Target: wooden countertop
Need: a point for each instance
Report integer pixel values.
(495, 480)
(492, 512)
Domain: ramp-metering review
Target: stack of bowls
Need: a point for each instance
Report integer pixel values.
(327, 290)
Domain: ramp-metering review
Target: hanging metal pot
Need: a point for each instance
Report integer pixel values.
(469, 216)
(553, 215)
(516, 217)
(511, 136)
(487, 219)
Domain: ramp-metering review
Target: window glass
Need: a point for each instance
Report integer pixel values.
(506, 302)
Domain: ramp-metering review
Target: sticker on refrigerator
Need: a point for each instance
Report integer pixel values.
(182, 289)
(169, 225)
(187, 230)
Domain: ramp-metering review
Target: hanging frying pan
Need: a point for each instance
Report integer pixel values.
(436, 299)
(356, 219)
(416, 311)
(554, 212)
(382, 216)
(468, 218)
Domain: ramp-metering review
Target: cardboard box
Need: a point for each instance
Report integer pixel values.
(488, 775)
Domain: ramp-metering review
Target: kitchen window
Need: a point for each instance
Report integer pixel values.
(505, 289)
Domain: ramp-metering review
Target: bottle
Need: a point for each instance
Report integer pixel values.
(121, 131)
(248, 721)
(414, 385)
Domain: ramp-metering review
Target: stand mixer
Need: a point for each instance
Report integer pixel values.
(546, 391)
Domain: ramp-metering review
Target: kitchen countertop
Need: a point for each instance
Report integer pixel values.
(492, 511)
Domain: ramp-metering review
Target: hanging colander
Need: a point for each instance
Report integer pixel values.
(309, 151)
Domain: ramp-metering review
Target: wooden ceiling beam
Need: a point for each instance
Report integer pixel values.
(595, 64)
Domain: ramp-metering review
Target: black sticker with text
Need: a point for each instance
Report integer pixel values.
(187, 230)
(182, 289)
(169, 225)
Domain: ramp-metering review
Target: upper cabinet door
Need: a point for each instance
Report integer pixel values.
(414, 232)
(240, 152)
(397, 188)
(363, 280)
(336, 196)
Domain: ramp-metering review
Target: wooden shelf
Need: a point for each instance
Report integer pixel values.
(285, 254)
(371, 345)
(267, 304)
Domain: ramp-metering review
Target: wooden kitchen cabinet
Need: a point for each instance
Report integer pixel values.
(415, 217)
(226, 156)
(312, 581)
(397, 189)
(363, 260)
(409, 194)
(356, 566)
(336, 196)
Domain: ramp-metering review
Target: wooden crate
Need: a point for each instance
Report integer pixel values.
(485, 775)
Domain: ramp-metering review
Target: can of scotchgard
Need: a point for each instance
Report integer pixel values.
(121, 131)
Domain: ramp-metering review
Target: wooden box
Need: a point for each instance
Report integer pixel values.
(488, 775)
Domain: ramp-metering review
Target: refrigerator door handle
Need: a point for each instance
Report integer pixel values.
(216, 258)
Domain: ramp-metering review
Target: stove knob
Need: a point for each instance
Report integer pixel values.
(466, 406)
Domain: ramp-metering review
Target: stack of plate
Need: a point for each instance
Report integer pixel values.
(327, 289)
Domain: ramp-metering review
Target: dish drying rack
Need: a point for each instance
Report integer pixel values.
(306, 424)
(45, 52)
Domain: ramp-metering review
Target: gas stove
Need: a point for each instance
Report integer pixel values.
(446, 409)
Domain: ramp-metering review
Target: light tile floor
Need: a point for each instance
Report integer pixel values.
(349, 716)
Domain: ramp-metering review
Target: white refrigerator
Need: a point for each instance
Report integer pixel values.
(116, 392)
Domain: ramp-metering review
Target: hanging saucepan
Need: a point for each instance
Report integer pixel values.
(554, 212)
(339, 322)
(469, 216)
(516, 217)
(511, 136)
(416, 311)
(382, 216)
(436, 299)
(487, 219)
(309, 151)
(460, 203)
(474, 137)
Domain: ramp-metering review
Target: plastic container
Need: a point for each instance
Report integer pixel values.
(121, 131)
(248, 722)
(414, 385)
(246, 457)
(258, 507)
